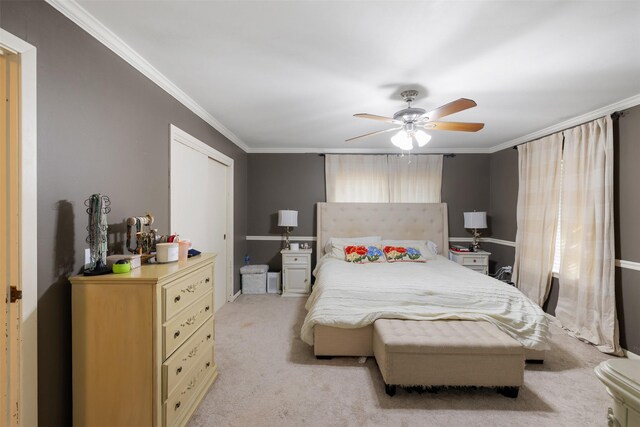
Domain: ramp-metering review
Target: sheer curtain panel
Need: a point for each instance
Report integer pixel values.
(537, 215)
(356, 178)
(586, 299)
(415, 179)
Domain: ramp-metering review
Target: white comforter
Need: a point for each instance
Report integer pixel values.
(348, 295)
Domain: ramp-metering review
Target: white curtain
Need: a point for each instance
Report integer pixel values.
(415, 179)
(356, 178)
(537, 215)
(397, 179)
(586, 300)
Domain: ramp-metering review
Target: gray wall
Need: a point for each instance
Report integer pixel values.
(465, 188)
(296, 181)
(282, 181)
(102, 127)
(503, 194)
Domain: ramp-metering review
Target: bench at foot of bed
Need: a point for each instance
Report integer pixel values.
(447, 353)
(390, 389)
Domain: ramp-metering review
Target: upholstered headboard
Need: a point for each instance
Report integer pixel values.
(416, 221)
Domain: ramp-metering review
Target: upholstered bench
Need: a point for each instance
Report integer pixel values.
(447, 353)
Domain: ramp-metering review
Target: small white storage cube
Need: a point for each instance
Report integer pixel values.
(254, 279)
(273, 283)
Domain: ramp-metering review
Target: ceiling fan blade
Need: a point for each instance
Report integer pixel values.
(456, 126)
(372, 133)
(450, 108)
(380, 118)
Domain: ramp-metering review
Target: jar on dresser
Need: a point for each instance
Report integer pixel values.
(143, 344)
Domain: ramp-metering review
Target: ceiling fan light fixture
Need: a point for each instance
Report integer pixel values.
(402, 140)
(422, 138)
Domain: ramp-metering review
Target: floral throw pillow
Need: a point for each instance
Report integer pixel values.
(403, 254)
(361, 254)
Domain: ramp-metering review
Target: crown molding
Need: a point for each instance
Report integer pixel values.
(100, 32)
(310, 150)
(592, 115)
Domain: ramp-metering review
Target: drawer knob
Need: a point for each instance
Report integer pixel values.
(208, 364)
(206, 308)
(209, 336)
(475, 260)
(177, 405)
(176, 334)
(176, 299)
(295, 259)
(178, 370)
(207, 280)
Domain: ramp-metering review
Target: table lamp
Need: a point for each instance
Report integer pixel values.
(287, 219)
(475, 220)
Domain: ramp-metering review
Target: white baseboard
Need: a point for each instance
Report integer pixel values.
(233, 298)
(631, 355)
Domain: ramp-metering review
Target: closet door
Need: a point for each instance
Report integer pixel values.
(217, 209)
(200, 207)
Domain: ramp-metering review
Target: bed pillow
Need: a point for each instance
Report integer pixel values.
(421, 245)
(433, 247)
(361, 254)
(335, 245)
(403, 254)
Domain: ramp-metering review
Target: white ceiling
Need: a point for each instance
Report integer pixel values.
(289, 75)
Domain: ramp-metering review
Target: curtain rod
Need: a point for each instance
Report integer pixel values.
(392, 154)
(614, 116)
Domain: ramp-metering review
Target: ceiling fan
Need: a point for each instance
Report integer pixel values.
(413, 120)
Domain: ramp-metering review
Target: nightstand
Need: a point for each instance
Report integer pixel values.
(296, 272)
(476, 261)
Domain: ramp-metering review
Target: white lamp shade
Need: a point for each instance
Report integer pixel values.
(422, 137)
(287, 218)
(402, 140)
(475, 220)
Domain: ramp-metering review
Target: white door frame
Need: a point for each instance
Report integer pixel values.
(178, 136)
(28, 236)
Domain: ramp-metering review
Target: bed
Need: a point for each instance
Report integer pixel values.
(338, 283)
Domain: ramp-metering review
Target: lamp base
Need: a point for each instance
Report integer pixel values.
(476, 241)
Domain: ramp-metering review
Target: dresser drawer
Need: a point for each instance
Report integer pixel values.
(470, 260)
(183, 360)
(182, 292)
(294, 259)
(181, 398)
(478, 268)
(180, 328)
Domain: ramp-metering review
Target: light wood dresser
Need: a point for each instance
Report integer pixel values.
(143, 344)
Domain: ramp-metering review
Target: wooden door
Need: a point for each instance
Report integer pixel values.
(10, 306)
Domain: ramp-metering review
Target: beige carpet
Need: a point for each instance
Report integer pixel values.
(269, 377)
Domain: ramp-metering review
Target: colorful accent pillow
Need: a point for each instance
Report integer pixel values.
(403, 254)
(421, 245)
(335, 245)
(361, 254)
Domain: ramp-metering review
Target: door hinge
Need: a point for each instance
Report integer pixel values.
(224, 237)
(14, 294)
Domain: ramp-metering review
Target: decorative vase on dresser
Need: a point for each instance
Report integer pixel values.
(143, 344)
